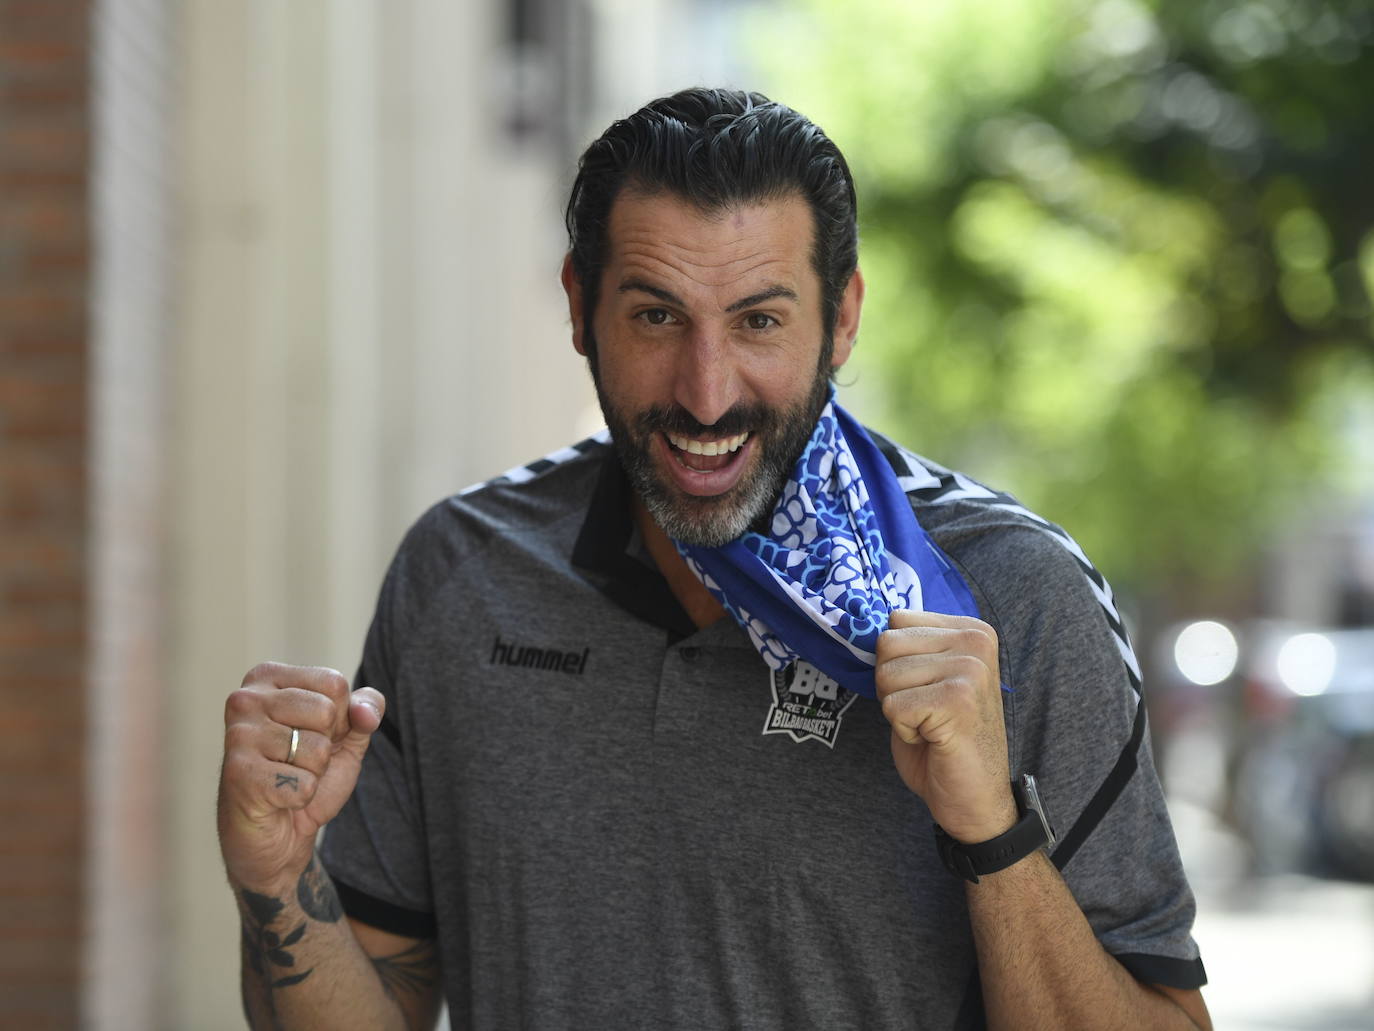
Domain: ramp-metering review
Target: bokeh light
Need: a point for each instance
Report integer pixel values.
(1306, 663)
(1206, 652)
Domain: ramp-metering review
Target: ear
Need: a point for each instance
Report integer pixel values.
(847, 318)
(572, 286)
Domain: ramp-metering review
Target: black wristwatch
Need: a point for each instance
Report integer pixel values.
(1030, 832)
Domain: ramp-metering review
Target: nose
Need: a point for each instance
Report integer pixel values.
(705, 382)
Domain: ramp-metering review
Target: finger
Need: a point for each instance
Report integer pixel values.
(903, 672)
(916, 717)
(966, 636)
(287, 787)
(366, 707)
(906, 735)
(952, 699)
(313, 749)
(900, 618)
(259, 786)
(365, 711)
(305, 710)
(257, 741)
(321, 680)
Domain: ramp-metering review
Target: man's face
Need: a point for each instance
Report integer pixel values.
(711, 361)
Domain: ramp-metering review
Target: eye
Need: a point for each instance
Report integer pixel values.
(656, 316)
(758, 320)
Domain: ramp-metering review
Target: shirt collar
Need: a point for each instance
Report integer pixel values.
(610, 547)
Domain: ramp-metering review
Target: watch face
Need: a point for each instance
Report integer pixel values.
(1028, 799)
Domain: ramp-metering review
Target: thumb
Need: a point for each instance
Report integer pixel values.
(340, 777)
(366, 706)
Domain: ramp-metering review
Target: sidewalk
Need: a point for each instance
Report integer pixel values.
(1286, 953)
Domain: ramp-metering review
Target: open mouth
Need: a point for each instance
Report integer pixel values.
(705, 455)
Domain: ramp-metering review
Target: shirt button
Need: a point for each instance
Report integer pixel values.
(690, 653)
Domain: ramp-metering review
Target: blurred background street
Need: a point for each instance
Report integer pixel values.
(1284, 952)
(275, 276)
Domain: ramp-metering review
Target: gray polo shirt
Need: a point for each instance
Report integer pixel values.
(610, 818)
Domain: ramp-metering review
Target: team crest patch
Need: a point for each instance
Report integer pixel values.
(806, 704)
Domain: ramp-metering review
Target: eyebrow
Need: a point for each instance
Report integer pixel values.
(777, 290)
(668, 297)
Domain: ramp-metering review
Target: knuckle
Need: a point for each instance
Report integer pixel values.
(238, 737)
(961, 692)
(322, 710)
(263, 672)
(241, 704)
(335, 684)
(985, 634)
(892, 706)
(967, 670)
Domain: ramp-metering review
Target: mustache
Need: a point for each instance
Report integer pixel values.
(737, 419)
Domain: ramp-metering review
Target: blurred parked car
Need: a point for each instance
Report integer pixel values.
(1303, 792)
(1272, 727)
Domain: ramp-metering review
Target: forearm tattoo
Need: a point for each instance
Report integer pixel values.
(315, 892)
(411, 971)
(266, 952)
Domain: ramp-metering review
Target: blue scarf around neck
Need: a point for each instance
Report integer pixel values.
(843, 550)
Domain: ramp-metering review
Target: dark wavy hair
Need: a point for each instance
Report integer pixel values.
(715, 148)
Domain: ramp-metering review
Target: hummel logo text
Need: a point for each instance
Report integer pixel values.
(551, 659)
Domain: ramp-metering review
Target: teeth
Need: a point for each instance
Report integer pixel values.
(708, 447)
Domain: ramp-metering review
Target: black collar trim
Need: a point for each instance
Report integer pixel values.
(609, 547)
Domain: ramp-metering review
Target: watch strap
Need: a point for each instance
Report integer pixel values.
(1030, 832)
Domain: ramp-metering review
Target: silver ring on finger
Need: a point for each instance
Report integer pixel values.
(295, 743)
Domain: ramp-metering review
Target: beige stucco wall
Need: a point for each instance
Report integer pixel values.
(370, 319)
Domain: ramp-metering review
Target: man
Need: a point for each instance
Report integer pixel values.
(597, 800)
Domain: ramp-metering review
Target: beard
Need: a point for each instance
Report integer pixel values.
(778, 434)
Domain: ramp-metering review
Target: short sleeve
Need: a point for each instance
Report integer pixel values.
(374, 849)
(1076, 721)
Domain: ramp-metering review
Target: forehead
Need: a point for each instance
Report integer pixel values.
(664, 237)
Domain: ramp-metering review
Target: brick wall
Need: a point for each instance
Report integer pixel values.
(44, 272)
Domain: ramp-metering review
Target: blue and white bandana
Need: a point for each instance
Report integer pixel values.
(844, 550)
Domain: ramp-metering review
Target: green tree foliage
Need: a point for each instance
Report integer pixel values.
(1120, 255)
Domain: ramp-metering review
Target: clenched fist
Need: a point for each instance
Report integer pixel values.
(938, 683)
(273, 798)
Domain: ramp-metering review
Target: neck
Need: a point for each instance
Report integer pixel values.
(691, 595)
